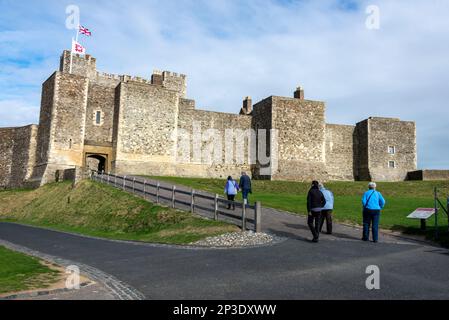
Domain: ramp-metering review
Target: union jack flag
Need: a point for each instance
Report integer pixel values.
(85, 31)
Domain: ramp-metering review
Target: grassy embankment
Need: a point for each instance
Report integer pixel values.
(19, 272)
(402, 199)
(103, 211)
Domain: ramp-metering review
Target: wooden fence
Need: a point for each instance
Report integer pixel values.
(247, 216)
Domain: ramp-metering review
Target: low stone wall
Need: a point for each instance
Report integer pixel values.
(17, 155)
(428, 175)
(75, 174)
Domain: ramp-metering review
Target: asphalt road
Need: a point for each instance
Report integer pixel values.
(295, 269)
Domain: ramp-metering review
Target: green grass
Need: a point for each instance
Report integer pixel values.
(99, 210)
(402, 199)
(19, 272)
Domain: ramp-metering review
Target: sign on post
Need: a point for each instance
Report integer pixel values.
(423, 214)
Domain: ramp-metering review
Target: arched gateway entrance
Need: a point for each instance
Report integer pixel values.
(97, 162)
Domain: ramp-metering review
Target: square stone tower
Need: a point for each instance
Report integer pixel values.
(386, 149)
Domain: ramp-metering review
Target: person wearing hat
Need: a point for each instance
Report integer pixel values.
(373, 202)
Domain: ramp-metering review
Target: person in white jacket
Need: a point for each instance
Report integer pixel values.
(231, 190)
(326, 211)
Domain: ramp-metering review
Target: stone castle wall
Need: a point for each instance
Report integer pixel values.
(6, 155)
(100, 99)
(62, 128)
(301, 126)
(262, 119)
(429, 175)
(143, 126)
(385, 133)
(228, 133)
(17, 155)
(341, 152)
(144, 140)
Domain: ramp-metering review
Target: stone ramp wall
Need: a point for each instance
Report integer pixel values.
(17, 155)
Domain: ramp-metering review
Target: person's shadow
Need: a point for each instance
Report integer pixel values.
(305, 227)
(289, 235)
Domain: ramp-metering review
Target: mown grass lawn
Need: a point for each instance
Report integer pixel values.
(402, 199)
(19, 272)
(99, 210)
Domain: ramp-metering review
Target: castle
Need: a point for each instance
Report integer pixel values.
(128, 125)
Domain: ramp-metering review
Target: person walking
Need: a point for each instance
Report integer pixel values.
(326, 212)
(245, 186)
(373, 202)
(231, 190)
(315, 202)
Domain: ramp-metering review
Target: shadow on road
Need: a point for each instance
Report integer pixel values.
(289, 235)
(306, 228)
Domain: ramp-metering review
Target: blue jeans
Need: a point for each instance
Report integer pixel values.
(245, 193)
(371, 218)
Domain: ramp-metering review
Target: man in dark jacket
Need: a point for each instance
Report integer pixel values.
(315, 203)
(245, 186)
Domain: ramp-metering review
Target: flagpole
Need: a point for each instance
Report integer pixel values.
(71, 58)
(77, 32)
(71, 51)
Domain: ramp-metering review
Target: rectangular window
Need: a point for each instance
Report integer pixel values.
(391, 164)
(392, 150)
(98, 118)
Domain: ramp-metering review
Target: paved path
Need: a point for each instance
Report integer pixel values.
(294, 269)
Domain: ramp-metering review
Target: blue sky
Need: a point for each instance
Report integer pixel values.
(231, 49)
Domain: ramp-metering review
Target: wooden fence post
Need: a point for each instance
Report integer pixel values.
(115, 180)
(192, 202)
(124, 183)
(257, 217)
(157, 192)
(244, 215)
(109, 177)
(216, 207)
(173, 197)
(144, 189)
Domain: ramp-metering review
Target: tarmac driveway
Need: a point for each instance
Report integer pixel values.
(294, 269)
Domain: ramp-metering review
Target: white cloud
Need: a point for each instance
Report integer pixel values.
(16, 113)
(231, 49)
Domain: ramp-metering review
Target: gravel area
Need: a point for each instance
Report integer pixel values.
(237, 239)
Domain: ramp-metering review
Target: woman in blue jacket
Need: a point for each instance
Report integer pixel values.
(373, 202)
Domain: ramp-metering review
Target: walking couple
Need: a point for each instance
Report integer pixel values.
(232, 188)
(320, 204)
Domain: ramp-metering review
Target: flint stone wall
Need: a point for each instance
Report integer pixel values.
(341, 150)
(301, 129)
(17, 155)
(385, 132)
(225, 135)
(147, 117)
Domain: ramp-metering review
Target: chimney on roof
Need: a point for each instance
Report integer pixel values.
(247, 108)
(299, 93)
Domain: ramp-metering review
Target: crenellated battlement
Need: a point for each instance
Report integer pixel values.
(85, 65)
(167, 74)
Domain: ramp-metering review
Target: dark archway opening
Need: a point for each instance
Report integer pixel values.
(96, 162)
